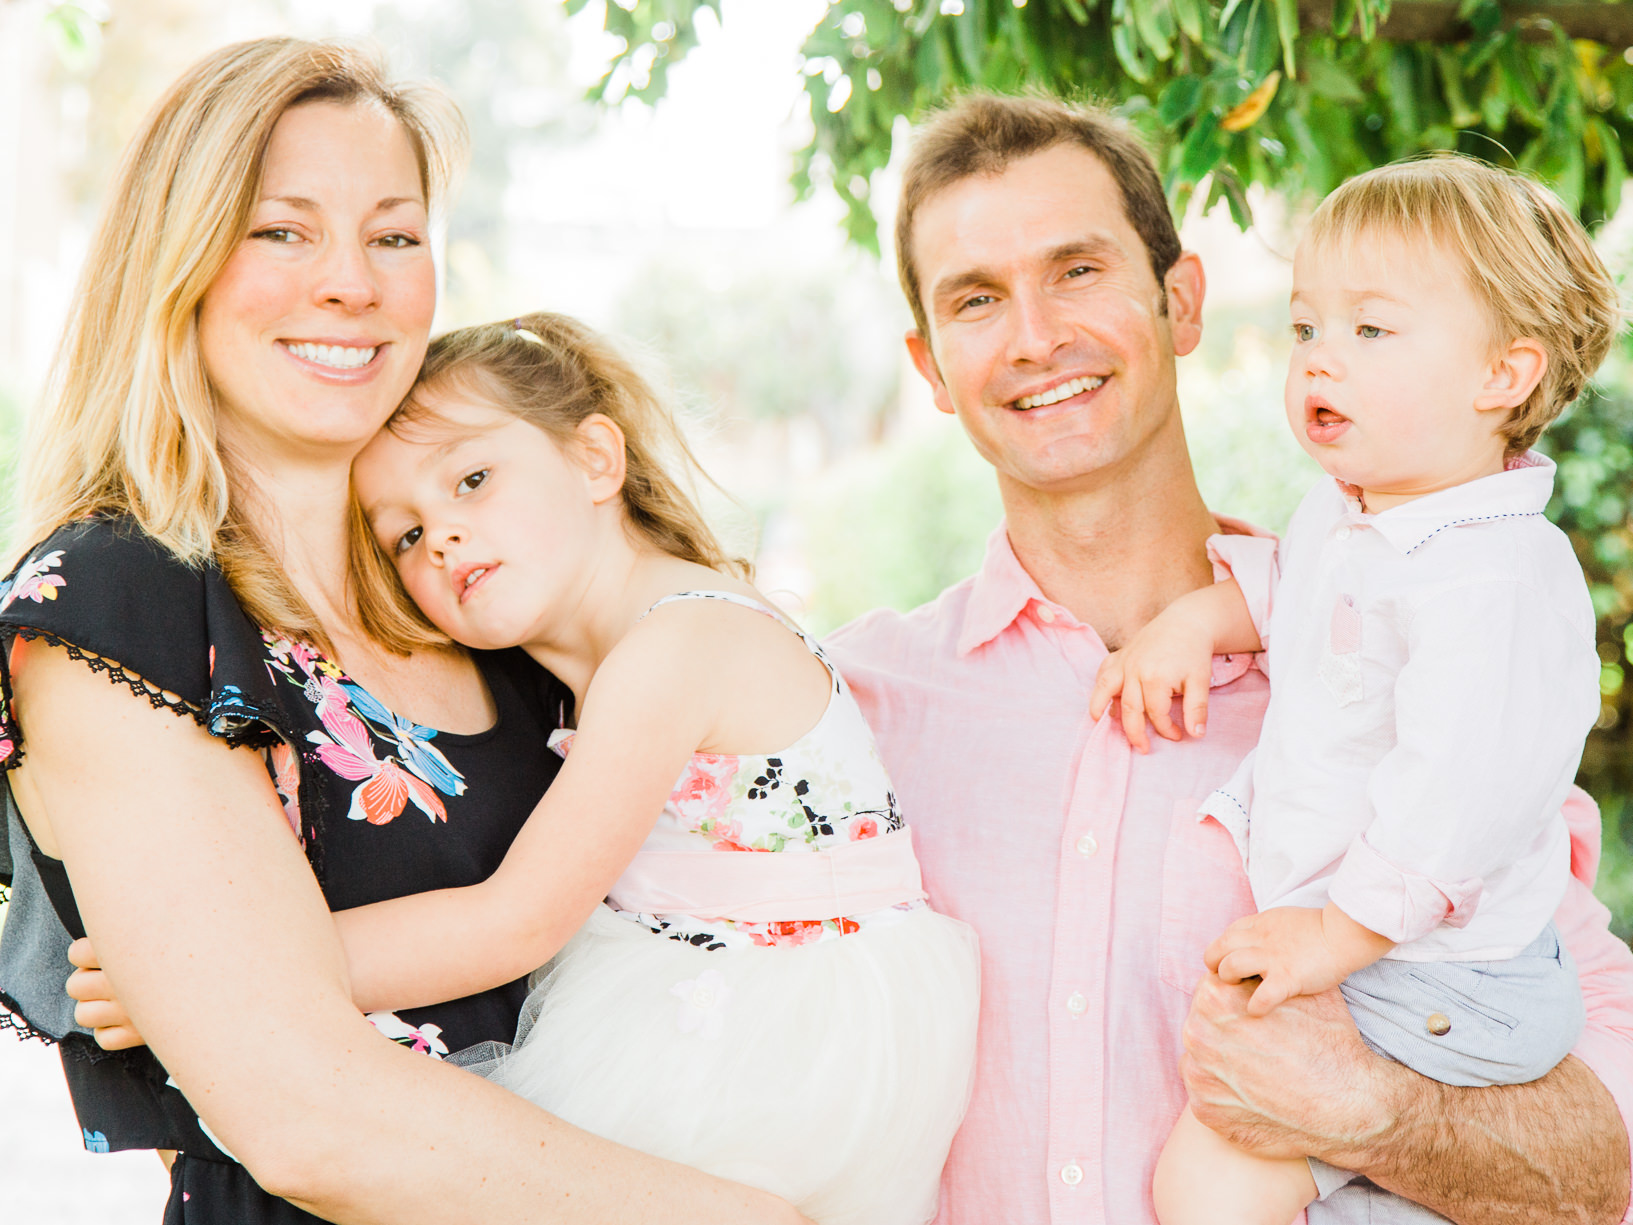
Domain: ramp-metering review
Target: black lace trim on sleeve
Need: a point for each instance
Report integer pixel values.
(229, 716)
(11, 1017)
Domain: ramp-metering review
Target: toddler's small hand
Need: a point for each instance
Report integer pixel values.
(1164, 659)
(1293, 950)
(1284, 948)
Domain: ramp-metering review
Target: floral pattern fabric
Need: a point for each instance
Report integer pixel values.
(830, 786)
(384, 806)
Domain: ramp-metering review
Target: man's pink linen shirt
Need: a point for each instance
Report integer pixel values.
(1094, 889)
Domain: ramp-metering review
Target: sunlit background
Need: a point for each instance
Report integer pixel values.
(672, 227)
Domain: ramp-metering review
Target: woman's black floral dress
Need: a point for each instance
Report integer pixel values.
(383, 806)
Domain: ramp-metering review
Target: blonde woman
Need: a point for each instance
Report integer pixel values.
(196, 711)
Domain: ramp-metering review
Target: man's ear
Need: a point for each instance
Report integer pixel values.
(924, 361)
(1185, 285)
(1514, 374)
(599, 452)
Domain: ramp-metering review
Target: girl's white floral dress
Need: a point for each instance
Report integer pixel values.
(766, 995)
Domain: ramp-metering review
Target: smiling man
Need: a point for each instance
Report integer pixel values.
(1051, 300)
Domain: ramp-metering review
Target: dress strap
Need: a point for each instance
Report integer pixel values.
(731, 597)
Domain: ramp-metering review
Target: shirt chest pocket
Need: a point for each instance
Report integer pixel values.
(1204, 891)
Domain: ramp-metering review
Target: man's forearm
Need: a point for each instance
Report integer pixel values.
(1551, 1150)
(1301, 1082)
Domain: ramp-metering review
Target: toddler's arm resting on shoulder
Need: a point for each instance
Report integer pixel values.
(1173, 654)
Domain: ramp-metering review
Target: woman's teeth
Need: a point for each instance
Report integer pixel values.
(1056, 394)
(474, 575)
(337, 356)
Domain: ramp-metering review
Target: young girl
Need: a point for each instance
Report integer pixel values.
(764, 993)
(1431, 656)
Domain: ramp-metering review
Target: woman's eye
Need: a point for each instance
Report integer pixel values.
(468, 483)
(1304, 333)
(1368, 331)
(276, 233)
(398, 241)
(408, 540)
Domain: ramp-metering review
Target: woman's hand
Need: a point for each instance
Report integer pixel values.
(98, 1009)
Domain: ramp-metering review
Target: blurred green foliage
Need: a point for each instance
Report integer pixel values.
(1593, 502)
(1293, 95)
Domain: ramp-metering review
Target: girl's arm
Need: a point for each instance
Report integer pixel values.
(1173, 654)
(654, 700)
(213, 931)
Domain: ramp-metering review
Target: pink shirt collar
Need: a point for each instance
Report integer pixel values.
(1003, 590)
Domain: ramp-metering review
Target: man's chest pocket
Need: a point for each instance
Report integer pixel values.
(1204, 890)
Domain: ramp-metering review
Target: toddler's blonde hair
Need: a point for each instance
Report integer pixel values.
(1526, 258)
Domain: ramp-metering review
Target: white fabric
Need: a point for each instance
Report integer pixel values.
(1433, 676)
(820, 1072)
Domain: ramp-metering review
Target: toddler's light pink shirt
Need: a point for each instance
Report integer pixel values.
(1093, 887)
(1434, 675)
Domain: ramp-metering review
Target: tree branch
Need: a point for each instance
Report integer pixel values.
(1436, 21)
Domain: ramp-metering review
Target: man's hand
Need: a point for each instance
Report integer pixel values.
(1295, 950)
(1300, 1082)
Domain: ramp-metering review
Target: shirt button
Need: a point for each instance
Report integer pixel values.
(1046, 614)
(1086, 845)
(1342, 533)
(1077, 1004)
(1071, 1173)
(1438, 1024)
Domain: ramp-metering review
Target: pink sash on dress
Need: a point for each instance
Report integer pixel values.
(850, 878)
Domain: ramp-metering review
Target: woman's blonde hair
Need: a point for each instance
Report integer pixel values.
(552, 372)
(1526, 258)
(128, 422)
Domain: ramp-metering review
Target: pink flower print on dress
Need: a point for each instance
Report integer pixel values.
(6, 746)
(1341, 662)
(705, 789)
(386, 787)
(422, 1039)
(702, 1004)
(31, 582)
(286, 778)
(864, 827)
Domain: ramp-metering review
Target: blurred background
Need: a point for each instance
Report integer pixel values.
(706, 180)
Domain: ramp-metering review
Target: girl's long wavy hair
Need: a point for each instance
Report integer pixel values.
(128, 421)
(552, 372)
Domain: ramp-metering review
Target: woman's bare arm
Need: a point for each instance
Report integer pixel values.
(212, 930)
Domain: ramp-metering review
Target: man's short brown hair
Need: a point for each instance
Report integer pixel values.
(982, 134)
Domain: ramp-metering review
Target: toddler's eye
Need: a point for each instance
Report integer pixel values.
(407, 540)
(1304, 333)
(470, 481)
(1369, 331)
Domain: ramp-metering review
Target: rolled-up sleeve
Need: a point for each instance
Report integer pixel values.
(1251, 561)
(1498, 684)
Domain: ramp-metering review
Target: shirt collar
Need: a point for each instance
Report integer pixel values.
(1001, 592)
(1002, 589)
(1522, 489)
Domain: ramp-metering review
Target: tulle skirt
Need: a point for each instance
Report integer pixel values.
(832, 1074)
